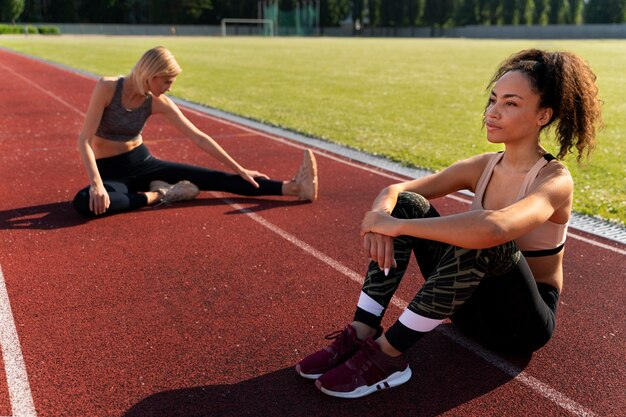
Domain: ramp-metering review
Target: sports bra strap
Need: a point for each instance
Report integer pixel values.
(532, 174)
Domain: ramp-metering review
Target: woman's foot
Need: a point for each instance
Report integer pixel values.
(181, 191)
(369, 370)
(345, 344)
(306, 178)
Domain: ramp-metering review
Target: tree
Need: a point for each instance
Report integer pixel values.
(178, 12)
(11, 10)
(392, 13)
(358, 8)
(559, 12)
(437, 13)
(32, 11)
(495, 12)
(333, 12)
(605, 11)
(576, 11)
(194, 9)
(62, 11)
(414, 11)
(527, 11)
(542, 9)
(510, 12)
(469, 13)
(373, 12)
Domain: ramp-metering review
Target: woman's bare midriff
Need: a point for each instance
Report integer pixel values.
(548, 269)
(105, 148)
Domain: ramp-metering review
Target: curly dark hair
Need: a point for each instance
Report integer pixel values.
(566, 84)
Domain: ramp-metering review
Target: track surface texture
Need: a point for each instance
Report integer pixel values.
(202, 308)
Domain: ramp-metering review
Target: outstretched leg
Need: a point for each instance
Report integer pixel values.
(304, 185)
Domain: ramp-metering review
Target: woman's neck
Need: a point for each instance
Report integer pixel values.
(130, 95)
(522, 157)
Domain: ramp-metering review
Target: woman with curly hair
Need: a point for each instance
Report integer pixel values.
(495, 271)
(123, 174)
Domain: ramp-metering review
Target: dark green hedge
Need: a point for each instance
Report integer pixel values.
(31, 30)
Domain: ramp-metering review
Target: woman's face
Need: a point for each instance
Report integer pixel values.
(513, 113)
(161, 84)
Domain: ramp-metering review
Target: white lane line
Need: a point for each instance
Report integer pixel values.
(514, 372)
(599, 244)
(43, 90)
(22, 404)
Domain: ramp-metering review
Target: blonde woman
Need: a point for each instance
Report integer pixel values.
(124, 176)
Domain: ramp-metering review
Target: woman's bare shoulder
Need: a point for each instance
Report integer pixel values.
(476, 163)
(163, 104)
(109, 82)
(105, 87)
(554, 172)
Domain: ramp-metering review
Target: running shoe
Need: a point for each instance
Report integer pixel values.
(368, 371)
(306, 177)
(181, 191)
(344, 345)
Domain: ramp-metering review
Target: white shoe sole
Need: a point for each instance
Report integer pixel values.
(308, 376)
(393, 380)
(311, 189)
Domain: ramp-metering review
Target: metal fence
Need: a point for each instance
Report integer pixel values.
(608, 31)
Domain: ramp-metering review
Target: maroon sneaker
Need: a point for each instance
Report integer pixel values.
(368, 371)
(344, 345)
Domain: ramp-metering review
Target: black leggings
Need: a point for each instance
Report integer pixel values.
(127, 175)
(490, 294)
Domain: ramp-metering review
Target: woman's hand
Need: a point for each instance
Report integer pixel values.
(99, 199)
(250, 176)
(378, 230)
(379, 222)
(379, 248)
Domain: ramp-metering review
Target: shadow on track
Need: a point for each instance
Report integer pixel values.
(436, 387)
(62, 214)
(43, 217)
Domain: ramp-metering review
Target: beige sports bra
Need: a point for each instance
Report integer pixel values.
(547, 239)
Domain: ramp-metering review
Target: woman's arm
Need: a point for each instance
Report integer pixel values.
(484, 228)
(461, 175)
(166, 106)
(98, 197)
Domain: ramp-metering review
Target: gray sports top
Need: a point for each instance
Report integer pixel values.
(119, 123)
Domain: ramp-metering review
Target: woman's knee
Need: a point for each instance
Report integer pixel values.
(81, 203)
(411, 205)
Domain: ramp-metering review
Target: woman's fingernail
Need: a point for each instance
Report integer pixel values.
(386, 271)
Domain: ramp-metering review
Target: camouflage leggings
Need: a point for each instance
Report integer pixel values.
(509, 311)
(452, 273)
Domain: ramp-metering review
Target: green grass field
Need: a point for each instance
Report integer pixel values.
(416, 101)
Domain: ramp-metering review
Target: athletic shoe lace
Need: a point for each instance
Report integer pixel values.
(342, 343)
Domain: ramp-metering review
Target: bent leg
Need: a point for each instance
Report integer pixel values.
(378, 289)
(121, 200)
(510, 312)
(447, 289)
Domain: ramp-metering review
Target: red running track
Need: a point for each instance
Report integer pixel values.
(202, 308)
